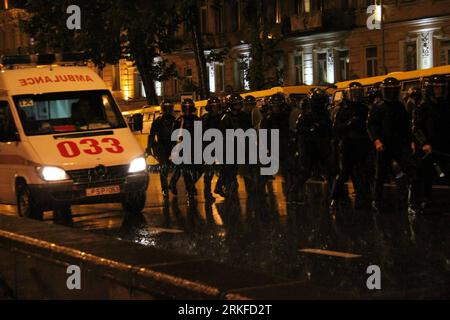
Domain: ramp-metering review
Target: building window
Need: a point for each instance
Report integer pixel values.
(218, 19)
(371, 61)
(321, 73)
(277, 11)
(344, 63)
(216, 77)
(307, 6)
(411, 56)
(188, 72)
(298, 66)
(220, 77)
(308, 76)
(204, 19)
(175, 86)
(158, 89)
(235, 15)
(298, 6)
(445, 52)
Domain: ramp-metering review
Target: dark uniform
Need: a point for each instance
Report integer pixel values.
(189, 171)
(250, 172)
(313, 137)
(234, 118)
(431, 127)
(211, 120)
(278, 119)
(413, 101)
(159, 142)
(388, 126)
(353, 145)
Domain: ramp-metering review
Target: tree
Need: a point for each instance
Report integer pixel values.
(140, 30)
(148, 31)
(188, 12)
(261, 67)
(99, 36)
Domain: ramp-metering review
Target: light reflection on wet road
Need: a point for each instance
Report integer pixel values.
(266, 234)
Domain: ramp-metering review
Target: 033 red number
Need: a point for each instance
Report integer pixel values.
(70, 149)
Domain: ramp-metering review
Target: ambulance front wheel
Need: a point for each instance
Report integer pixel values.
(26, 205)
(134, 202)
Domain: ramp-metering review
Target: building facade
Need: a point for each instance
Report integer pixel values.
(321, 41)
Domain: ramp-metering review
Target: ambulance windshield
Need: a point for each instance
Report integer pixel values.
(75, 111)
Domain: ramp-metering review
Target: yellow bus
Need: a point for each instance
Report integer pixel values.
(407, 79)
(150, 113)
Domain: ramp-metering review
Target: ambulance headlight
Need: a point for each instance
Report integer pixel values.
(53, 174)
(138, 165)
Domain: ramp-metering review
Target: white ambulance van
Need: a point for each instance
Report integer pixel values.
(63, 141)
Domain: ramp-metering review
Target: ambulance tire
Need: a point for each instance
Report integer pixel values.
(134, 202)
(26, 206)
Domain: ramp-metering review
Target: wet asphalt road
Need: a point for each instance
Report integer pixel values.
(296, 242)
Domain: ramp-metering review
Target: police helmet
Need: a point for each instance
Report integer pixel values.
(249, 99)
(436, 86)
(234, 101)
(188, 106)
(166, 106)
(213, 101)
(355, 92)
(390, 88)
(318, 98)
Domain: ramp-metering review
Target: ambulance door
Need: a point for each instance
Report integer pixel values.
(10, 158)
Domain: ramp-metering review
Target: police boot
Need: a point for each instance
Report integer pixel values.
(173, 189)
(413, 208)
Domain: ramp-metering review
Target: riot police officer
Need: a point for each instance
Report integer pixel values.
(188, 170)
(388, 126)
(234, 118)
(352, 141)
(159, 143)
(432, 134)
(278, 119)
(413, 100)
(254, 115)
(313, 137)
(374, 95)
(211, 120)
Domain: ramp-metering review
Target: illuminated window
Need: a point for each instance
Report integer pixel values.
(298, 65)
(307, 6)
(158, 89)
(277, 11)
(321, 68)
(308, 68)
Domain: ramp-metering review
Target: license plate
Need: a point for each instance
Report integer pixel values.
(100, 191)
